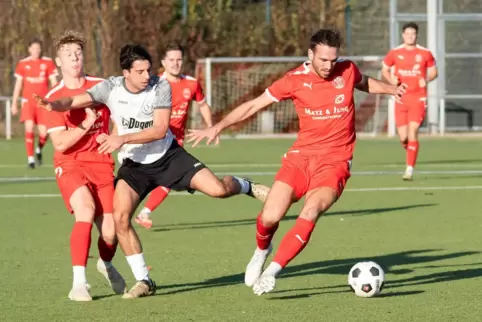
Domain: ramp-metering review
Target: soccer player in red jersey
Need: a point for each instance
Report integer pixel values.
(33, 74)
(415, 66)
(85, 177)
(185, 89)
(318, 164)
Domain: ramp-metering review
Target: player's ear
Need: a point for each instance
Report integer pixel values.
(125, 72)
(310, 54)
(163, 63)
(58, 62)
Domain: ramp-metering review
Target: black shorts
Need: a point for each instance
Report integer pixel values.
(174, 170)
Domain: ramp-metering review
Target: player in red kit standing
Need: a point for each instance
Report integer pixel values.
(85, 177)
(318, 164)
(184, 90)
(33, 74)
(413, 65)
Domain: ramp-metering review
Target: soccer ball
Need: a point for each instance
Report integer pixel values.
(366, 279)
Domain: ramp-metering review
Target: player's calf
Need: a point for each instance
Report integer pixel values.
(295, 240)
(125, 201)
(83, 206)
(208, 183)
(277, 204)
(107, 245)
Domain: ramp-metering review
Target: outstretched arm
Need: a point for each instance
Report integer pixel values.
(244, 111)
(239, 114)
(93, 96)
(67, 103)
(375, 86)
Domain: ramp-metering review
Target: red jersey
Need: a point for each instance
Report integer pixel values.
(325, 108)
(410, 65)
(35, 74)
(85, 150)
(183, 92)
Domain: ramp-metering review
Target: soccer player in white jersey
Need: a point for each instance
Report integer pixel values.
(140, 106)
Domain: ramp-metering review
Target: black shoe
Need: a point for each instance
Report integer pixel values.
(39, 158)
(31, 165)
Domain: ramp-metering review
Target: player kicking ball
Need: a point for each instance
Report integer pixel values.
(318, 164)
(140, 105)
(184, 89)
(85, 177)
(415, 66)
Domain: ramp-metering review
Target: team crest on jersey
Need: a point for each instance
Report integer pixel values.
(416, 67)
(186, 93)
(418, 58)
(43, 66)
(147, 110)
(183, 105)
(338, 82)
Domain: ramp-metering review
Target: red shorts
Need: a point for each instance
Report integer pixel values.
(31, 112)
(98, 177)
(304, 173)
(413, 109)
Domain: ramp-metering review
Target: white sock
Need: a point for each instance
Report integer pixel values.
(79, 275)
(145, 211)
(138, 266)
(409, 169)
(273, 269)
(31, 159)
(37, 150)
(243, 183)
(262, 251)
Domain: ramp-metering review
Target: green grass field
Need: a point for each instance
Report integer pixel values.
(426, 234)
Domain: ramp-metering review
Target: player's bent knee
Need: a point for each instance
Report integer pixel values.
(106, 226)
(270, 220)
(28, 126)
(270, 216)
(121, 221)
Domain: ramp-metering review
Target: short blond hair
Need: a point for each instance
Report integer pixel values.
(70, 37)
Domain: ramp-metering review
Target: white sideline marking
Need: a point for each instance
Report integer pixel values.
(379, 189)
(277, 165)
(272, 173)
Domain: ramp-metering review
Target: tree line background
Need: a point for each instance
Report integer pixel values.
(208, 28)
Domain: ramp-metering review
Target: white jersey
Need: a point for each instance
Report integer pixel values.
(133, 112)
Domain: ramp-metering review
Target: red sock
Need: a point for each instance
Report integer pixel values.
(294, 241)
(41, 141)
(264, 234)
(156, 198)
(29, 138)
(80, 243)
(404, 144)
(412, 153)
(106, 251)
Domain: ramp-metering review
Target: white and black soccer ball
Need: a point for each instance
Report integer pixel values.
(366, 279)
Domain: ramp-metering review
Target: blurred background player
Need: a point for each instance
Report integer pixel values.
(85, 177)
(185, 89)
(413, 65)
(33, 74)
(318, 164)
